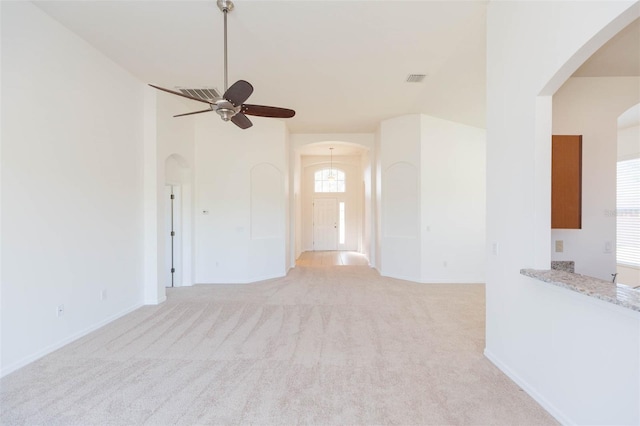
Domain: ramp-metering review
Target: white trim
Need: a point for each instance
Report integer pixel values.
(55, 346)
(252, 281)
(533, 393)
(628, 266)
(448, 281)
(157, 301)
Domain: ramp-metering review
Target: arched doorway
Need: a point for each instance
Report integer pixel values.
(332, 195)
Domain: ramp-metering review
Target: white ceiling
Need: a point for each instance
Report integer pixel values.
(341, 65)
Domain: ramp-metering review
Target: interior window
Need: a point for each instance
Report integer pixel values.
(628, 213)
(329, 180)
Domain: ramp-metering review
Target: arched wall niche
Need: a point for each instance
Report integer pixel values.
(176, 170)
(402, 207)
(267, 202)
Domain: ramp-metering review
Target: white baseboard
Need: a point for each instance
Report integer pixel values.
(54, 347)
(157, 301)
(533, 393)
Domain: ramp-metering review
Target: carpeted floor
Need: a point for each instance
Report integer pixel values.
(324, 346)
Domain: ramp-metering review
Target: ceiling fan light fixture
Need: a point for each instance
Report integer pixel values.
(225, 114)
(331, 177)
(225, 109)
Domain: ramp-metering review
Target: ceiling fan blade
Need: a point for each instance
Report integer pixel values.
(195, 112)
(180, 94)
(238, 92)
(241, 121)
(267, 111)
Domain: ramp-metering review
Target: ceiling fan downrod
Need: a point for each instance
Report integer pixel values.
(225, 7)
(232, 107)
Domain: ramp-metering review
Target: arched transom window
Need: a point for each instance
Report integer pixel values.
(329, 180)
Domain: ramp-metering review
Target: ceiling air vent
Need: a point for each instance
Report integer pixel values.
(416, 78)
(208, 94)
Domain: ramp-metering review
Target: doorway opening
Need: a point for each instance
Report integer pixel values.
(176, 238)
(173, 234)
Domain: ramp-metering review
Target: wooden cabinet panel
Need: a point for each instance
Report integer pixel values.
(566, 182)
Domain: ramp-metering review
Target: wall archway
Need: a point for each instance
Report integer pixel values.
(519, 126)
(352, 153)
(544, 129)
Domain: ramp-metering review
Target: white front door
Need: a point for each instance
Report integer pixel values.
(325, 224)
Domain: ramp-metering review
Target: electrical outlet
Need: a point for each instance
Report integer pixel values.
(494, 249)
(60, 310)
(103, 294)
(608, 247)
(444, 263)
(559, 246)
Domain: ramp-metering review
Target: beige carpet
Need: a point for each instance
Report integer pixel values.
(323, 346)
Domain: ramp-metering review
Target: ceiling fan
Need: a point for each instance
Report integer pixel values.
(231, 106)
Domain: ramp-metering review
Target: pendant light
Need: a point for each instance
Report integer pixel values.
(331, 177)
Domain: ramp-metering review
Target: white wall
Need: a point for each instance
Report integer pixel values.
(400, 140)
(240, 216)
(367, 205)
(577, 356)
(290, 260)
(433, 192)
(590, 106)
(296, 226)
(628, 143)
(377, 201)
(453, 195)
(72, 212)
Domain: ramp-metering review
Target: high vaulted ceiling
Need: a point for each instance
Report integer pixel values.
(341, 65)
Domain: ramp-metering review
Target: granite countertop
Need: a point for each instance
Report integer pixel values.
(618, 294)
